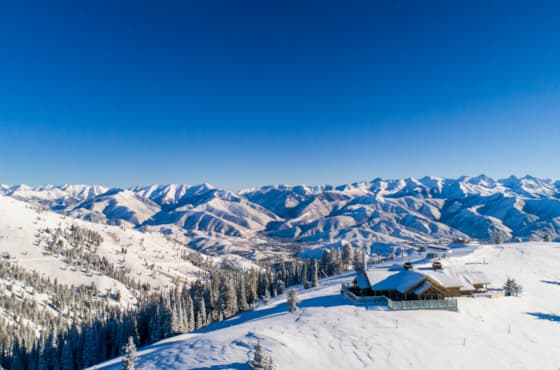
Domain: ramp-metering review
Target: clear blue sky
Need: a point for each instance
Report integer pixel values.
(240, 93)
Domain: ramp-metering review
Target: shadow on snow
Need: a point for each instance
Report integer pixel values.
(282, 308)
(151, 355)
(235, 366)
(544, 316)
(550, 282)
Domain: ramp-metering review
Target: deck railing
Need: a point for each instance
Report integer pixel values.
(432, 304)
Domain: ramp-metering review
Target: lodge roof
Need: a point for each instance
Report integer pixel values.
(422, 288)
(405, 280)
(402, 281)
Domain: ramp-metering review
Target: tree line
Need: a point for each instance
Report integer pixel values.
(78, 329)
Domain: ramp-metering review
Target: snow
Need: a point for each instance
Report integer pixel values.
(21, 228)
(328, 332)
(446, 278)
(422, 287)
(401, 281)
(375, 215)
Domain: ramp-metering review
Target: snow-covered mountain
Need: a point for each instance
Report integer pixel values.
(419, 210)
(56, 197)
(374, 214)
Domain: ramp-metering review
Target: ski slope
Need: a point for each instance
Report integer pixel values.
(328, 332)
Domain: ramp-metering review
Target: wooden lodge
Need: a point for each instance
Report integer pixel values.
(423, 283)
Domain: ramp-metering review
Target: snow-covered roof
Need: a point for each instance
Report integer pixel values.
(402, 281)
(446, 278)
(467, 286)
(362, 281)
(374, 276)
(476, 277)
(422, 288)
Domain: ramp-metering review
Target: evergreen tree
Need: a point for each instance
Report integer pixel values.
(347, 255)
(242, 294)
(359, 260)
(200, 314)
(189, 308)
(129, 359)
(315, 273)
(229, 296)
(66, 358)
(292, 301)
(325, 263)
(89, 356)
(280, 287)
(304, 277)
(261, 361)
(252, 293)
(512, 288)
(498, 239)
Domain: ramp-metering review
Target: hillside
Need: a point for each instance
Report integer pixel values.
(41, 240)
(373, 214)
(329, 332)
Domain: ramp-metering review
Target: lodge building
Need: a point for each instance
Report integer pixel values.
(425, 283)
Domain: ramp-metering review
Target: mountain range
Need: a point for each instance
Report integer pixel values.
(375, 214)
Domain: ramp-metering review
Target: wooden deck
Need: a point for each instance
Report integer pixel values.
(434, 304)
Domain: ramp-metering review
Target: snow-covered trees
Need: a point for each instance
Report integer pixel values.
(99, 329)
(498, 238)
(315, 273)
(347, 256)
(331, 263)
(261, 361)
(304, 277)
(67, 358)
(292, 301)
(512, 288)
(359, 260)
(129, 359)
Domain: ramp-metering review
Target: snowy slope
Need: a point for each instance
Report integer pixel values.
(116, 206)
(329, 332)
(23, 235)
(373, 214)
(56, 197)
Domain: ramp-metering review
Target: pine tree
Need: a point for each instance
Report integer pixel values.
(347, 255)
(315, 273)
(200, 314)
(67, 358)
(261, 361)
(189, 308)
(304, 277)
(498, 239)
(129, 359)
(292, 301)
(252, 293)
(280, 287)
(512, 288)
(326, 261)
(229, 296)
(359, 260)
(242, 294)
(89, 349)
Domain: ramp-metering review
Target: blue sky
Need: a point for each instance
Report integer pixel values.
(251, 93)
